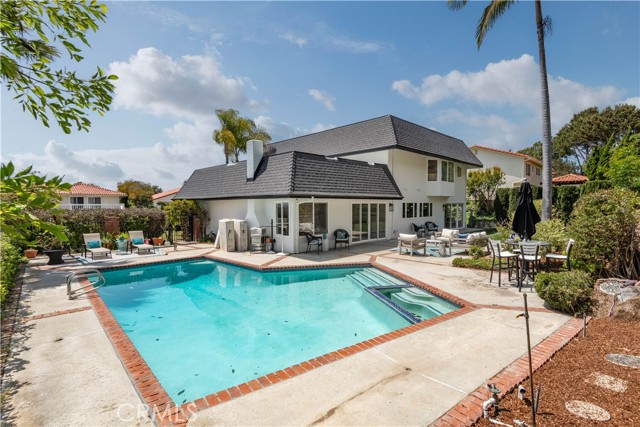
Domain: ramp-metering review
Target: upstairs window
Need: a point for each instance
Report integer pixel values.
(447, 172)
(528, 169)
(537, 171)
(432, 170)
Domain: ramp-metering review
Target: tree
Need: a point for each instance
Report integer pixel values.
(491, 13)
(558, 165)
(592, 128)
(235, 132)
(624, 164)
(482, 186)
(32, 34)
(139, 193)
(22, 193)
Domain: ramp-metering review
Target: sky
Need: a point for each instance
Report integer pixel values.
(302, 67)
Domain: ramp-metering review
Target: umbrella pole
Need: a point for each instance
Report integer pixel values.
(526, 318)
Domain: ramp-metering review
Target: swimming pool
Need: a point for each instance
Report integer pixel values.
(204, 326)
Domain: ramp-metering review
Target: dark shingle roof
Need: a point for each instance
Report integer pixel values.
(376, 134)
(292, 174)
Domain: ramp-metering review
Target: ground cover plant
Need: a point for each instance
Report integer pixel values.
(10, 260)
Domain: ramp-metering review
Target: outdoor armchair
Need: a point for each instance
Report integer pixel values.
(313, 241)
(549, 258)
(341, 238)
(411, 242)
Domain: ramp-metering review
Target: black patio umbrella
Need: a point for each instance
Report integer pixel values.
(526, 216)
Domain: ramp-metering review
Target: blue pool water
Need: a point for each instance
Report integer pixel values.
(203, 326)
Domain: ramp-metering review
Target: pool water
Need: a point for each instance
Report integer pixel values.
(203, 326)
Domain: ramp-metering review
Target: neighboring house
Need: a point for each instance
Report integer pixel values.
(164, 197)
(372, 178)
(570, 179)
(89, 196)
(516, 166)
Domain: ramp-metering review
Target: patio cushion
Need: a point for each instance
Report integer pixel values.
(93, 244)
(402, 236)
(341, 235)
(137, 241)
(448, 232)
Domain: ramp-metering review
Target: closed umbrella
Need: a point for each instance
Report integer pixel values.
(526, 216)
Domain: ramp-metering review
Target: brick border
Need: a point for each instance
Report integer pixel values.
(469, 410)
(165, 412)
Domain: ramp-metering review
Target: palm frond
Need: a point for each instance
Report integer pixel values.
(456, 4)
(489, 17)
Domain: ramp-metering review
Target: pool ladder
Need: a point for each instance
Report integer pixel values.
(84, 274)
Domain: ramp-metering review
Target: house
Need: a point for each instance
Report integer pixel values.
(164, 197)
(569, 179)
(372, 178)
(89, 196)
(516, 166)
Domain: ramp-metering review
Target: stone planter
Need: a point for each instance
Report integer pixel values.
(55, 256)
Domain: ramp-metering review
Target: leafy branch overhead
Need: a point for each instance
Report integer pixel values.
(33, 35)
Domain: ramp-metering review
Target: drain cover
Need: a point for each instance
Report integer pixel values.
(624, 360)
(587, 410)
(607, 382)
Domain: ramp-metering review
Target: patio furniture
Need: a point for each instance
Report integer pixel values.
(92, 243)
(441, 244)
(341, 238)
(431, 228)
(510, 258)
(530, 261)
(137, 241)
(550, 258)
(313, 241)
(420, 231)
(411, 242)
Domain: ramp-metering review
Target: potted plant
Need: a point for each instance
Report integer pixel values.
(30, 253)
(107, 240)
(52, 247)
(158, 241)
(123, 242)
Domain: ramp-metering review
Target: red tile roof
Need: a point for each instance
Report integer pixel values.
(165, 193)
(524, 156)
(91, 190)
(569, 179)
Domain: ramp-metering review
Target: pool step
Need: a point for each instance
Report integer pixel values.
(403, 298)
(417, 293)
(368, 279)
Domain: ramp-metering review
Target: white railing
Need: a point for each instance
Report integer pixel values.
(87, 206)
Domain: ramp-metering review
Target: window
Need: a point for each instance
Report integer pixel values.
(312, 218)
(459, 174)
(453, 215)
(426, 209)
(446, 174)
(76, 202)
(537, 171)
(282, 219)
(409, 210)
(95, 200)
(432, 170)
(528, 169)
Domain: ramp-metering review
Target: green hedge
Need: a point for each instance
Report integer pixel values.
(569, 291)
(563, 199)
(81, 221)
(10, 260)
(593, 186)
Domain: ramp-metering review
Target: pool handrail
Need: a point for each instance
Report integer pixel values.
(84, 274)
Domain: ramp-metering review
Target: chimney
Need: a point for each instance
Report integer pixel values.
(255, 150)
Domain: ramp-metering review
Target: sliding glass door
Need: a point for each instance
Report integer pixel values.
(368, 221)
(453, 215)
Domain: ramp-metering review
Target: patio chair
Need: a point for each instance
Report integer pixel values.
(92, 243)
(510, 258)
(137, 241)
(411, 242)
(431, 228)
(420, 231)
(341, 238)
(530, 262)
(313, 241)
(549, 258)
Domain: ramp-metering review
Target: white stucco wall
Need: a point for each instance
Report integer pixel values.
(512, 165)
(104, 200)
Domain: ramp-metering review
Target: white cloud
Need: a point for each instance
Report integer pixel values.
(632, 101)
(190, 87)
(300, 41)
(511, 87)
(324, 98)
(354, 46)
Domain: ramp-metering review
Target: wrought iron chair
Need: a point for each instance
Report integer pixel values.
(431, 228)
(341, 238)
(313, 240)
(420, 231)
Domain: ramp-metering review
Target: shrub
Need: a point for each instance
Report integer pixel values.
(554, 232)
(501, 204)
(478, 264)
(595, 185)
(477, 251)
(606, 229)
(564, 198)
(568, 291)
(10, 260)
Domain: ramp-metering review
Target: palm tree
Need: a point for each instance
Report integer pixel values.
(235, 132)
(491, 13)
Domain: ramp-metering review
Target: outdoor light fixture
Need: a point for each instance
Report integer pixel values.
(390, 207)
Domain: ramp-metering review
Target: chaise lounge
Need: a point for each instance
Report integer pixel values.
(137, 241)
(92, 243)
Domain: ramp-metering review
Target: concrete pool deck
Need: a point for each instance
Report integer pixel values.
(63, 369)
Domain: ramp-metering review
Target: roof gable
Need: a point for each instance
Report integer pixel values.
(521, 155)
(82, 189)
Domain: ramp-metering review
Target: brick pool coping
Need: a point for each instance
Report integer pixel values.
(165, 412)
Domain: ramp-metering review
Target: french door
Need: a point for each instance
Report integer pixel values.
(368, 221)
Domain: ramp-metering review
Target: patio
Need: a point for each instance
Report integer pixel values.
(65, 371)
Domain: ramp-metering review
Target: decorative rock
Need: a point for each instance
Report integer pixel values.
(624, 360)
(608, 382)
(587, 410)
